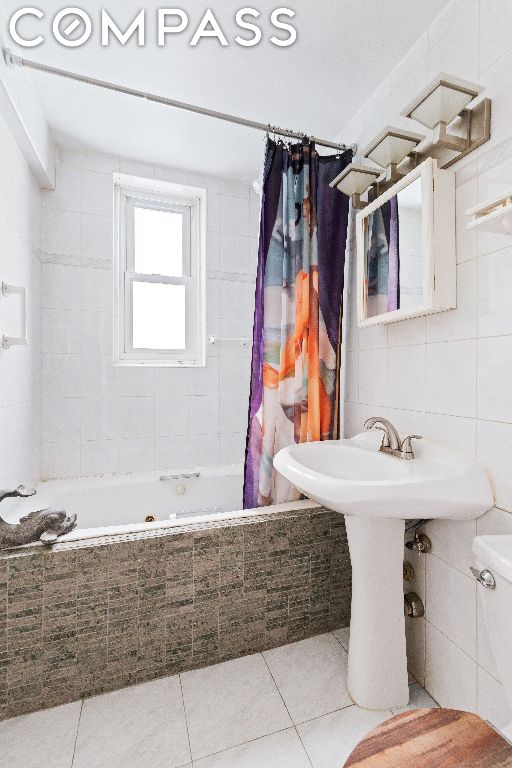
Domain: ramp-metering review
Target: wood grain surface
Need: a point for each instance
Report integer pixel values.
(432, 738)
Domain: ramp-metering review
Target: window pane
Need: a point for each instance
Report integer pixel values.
(158, 316)
(158, 242)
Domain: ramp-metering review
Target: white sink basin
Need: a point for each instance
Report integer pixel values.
(377, 492)
(353, 477)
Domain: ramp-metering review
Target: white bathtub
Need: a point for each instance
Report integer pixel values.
(119, 504)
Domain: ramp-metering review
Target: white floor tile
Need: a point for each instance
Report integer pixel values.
(139, 727)
(418, 699)
(330, 739)
(343, 636)
(280, 750)
(230, 703)
(311, 676)
(41, 739)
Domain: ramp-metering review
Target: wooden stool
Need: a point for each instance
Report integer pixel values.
(432, 738)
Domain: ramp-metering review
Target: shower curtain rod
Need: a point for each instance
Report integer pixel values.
(12, 59)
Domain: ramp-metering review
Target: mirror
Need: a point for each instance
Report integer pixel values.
(406, 251)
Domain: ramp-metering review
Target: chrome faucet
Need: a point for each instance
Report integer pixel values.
(391, 442)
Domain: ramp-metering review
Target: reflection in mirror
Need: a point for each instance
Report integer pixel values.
(393, 253)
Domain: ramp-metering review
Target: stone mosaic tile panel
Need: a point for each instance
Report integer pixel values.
(88, 617)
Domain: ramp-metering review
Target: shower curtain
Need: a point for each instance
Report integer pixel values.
(298, 312)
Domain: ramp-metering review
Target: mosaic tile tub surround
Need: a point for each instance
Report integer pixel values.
(101, 614)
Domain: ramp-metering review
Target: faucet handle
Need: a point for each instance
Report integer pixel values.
(406, 446)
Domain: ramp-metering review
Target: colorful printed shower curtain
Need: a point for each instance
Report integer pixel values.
(298, 312)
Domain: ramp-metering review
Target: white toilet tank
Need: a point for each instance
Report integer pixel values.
(494, 554)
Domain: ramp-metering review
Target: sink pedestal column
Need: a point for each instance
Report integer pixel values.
(377, 661)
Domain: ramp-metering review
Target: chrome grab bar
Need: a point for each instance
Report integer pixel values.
(181, 476)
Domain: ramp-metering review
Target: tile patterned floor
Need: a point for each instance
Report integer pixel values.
(284, 708)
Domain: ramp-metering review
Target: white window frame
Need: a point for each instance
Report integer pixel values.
(131, 192)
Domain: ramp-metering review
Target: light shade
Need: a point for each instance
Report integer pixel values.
(392, 146)
(442, 101)
(355, 179)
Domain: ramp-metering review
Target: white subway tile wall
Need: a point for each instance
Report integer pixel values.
(448, 377)
(97, 418)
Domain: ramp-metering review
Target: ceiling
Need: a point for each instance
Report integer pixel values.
(343, 51)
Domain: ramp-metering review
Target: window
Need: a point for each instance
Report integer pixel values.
(159, 275)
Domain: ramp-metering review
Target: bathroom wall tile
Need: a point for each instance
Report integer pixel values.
(213, 251)
(467, 197)
(61, 420)
(204, 450)
(213, 212)
(137, 168)
(406, 377)
(459, 57)
(97, 289)
(415, 643)
(137, 455)
(97, 193)
(61, 287)
(235, 372)
(99, 376)
(453, 362)
(494, 371)
(61, 330)
(97, 333)
(100, 457)
(204, 415)
(136, 417)
(494, 41)
(484, 652)
(62, 376)
(451, 675)
(352, 376)
(171, 381)
(459, 323)
(494, 285)
(407, 332)
(173, 453)
(492, 704)
(61, 234)
(100, 162)
(373, 337)
(135, 381)
(234, 253)
(171, 415)
(373, 373)
(232, 447)
(67, 195)
(100, 418)
(233, 412)
(204, 381)
(456, 431)
(499, 88)
(234, 215)
(495, 521)
(494, 442)
(97, 241)
(452, 541)
(407, 422)
(60, 460)
(456, 619)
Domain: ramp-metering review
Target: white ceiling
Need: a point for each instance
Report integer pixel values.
(344, 50)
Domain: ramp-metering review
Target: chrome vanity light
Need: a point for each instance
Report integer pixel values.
(354, 180)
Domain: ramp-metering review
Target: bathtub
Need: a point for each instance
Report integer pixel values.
(144, 502)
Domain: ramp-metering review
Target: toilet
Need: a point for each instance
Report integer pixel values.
(494, 572)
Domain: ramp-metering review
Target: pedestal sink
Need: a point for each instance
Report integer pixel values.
(377, 492)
